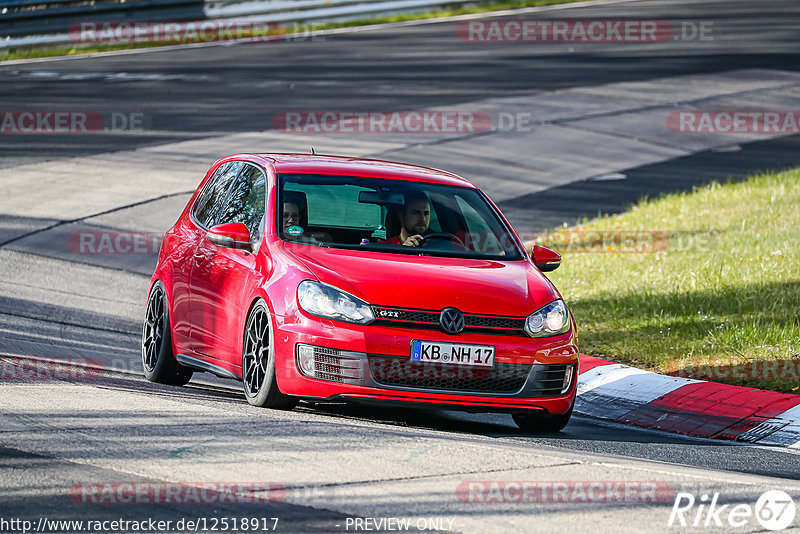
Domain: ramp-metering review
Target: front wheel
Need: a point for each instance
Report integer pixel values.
(258, 362)
(536, 423)
(158, 360)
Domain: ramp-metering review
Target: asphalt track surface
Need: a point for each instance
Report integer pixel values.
(120, 427)
(191, 92)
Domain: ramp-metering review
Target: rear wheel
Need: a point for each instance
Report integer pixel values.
(536, 423)
(258, 362)
(158, 360)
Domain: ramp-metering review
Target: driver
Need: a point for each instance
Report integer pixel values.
(415, 217)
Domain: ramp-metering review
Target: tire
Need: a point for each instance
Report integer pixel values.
(258, 362)
(158, 360)
(536, 423)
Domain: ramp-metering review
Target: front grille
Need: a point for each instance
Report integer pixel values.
(332, 364)
(410, 316)
(326, 350)
(489, 321)
(402, 372)
(548, 380)
(429, 320)
(544, 381)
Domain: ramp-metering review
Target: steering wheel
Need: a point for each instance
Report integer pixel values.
(441, 235)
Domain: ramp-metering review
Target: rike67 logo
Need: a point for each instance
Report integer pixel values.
(774, 510)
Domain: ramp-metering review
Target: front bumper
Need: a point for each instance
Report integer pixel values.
(378, 367)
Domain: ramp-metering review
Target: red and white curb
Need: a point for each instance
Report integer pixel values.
(617, 392)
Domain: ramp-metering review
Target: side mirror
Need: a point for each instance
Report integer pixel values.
(231, 235)
(545, 259)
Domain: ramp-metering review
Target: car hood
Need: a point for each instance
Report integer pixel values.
(512, 288)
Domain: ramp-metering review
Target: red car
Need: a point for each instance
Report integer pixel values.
(331, 278)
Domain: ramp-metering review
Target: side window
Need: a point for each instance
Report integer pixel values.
(246, 202)
(212, 197)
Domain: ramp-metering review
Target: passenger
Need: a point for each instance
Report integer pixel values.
(415, 219)
(292, 215)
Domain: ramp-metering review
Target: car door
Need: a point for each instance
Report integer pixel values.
(189, 232)
(222, 278)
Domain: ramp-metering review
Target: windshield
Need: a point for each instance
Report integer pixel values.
(391, 216)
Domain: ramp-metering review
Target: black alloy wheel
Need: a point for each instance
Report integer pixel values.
(258, 362)
(158, 360)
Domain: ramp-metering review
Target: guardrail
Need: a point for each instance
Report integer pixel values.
(25, 22)
(312, 10)
(35, 17)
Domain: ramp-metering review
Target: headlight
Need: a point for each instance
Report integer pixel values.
(331, 303)
(549, 320)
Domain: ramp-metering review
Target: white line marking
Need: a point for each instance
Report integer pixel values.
(789, 435)
(611, 391)
(604, 374)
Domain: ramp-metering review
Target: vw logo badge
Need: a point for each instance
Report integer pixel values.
(452, 321)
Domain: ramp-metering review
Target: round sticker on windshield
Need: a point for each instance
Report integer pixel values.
(295, 230)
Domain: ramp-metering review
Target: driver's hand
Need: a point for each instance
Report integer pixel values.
(413, 241)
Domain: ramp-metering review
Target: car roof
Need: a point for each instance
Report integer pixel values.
(350, 166)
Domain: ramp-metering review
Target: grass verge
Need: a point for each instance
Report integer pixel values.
(64, 50)
(703, 284)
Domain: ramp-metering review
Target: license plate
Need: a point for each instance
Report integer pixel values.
(452, 353)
